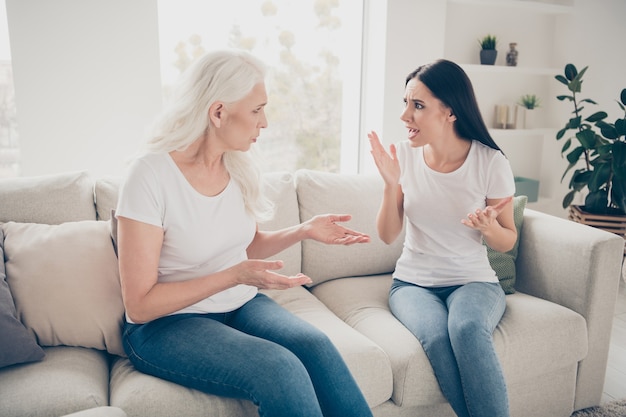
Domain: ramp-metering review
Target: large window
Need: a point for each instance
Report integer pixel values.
(313, 50)
(9, 147)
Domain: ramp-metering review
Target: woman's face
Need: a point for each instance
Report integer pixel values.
(242, 121)
(424, 115)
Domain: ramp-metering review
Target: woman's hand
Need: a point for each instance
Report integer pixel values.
(387, 164)
(258, 273)
(324, 228)
(482, 220)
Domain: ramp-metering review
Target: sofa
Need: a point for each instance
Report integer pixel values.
(62, 308)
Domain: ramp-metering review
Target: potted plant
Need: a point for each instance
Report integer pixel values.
(525, 115)
(529, 101)
(601, 146)
(488, 52)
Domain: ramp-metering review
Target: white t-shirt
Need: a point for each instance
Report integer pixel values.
(202, 235)
(438, 249)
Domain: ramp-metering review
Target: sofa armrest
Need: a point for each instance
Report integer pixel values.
(578, 267)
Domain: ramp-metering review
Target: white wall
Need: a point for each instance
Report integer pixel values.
(87, 81)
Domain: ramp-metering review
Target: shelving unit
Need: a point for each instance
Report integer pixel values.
(528, 23)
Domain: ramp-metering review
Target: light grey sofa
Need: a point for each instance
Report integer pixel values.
(62, 275)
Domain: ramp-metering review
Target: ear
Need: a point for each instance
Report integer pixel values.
(451, 116)
(216, 112)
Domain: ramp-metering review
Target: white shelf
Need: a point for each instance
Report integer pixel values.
(522, 132)
(502, 69)
(530, 5)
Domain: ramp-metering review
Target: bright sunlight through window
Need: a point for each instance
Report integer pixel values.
(313, 50)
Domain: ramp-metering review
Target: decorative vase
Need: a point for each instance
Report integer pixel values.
(511, 56)
(488, 56)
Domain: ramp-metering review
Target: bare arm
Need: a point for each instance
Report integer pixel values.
(391, 213)
(495, 223)
(145, 299)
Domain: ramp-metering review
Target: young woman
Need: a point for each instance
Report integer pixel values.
(191, 257)
(454, 187)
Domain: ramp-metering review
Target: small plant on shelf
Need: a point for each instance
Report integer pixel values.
(529, 101)
(488, 42)
(488, 52)
(600, 145)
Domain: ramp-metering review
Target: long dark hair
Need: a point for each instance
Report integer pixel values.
(451, 85)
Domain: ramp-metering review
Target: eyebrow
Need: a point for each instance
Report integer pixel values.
(414, 100)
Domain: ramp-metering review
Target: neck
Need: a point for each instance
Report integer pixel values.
(447, 156)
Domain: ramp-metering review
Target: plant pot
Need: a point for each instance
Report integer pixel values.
(488, 56)
(530, 116)
(614, 223)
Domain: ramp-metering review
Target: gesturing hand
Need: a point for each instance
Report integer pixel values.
(482, 219)
(258, 273)
(387, 164)
(324, 228)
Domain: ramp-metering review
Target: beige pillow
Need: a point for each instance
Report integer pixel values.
(360, 196)
(65, 283)
(50, 199)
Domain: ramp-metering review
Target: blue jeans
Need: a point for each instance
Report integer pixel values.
(455, 327)
(259, 352)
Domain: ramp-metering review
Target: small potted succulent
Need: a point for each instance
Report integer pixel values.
(529, 101)
(488, 52)
(526, 114)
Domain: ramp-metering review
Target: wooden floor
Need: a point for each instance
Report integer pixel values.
(615, 381)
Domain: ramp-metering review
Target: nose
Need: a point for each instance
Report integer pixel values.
(263, 120)
(405, 116)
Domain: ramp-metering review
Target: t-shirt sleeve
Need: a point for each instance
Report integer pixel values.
(140, 196)
(501, 183)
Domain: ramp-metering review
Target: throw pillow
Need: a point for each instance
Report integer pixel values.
(28, 199)
(17, 344)
(504, 262)
(354, 194)
(65, 283)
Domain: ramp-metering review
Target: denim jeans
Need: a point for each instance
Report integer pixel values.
(259, 352)
(455, 327)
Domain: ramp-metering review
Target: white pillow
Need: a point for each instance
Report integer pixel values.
(65, 283)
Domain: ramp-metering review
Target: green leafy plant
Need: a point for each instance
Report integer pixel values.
(600, 145)
(488, 42)
(530, 101)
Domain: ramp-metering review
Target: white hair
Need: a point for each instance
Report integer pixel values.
(227, 76)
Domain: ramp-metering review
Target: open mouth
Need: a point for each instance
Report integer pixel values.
(413, 133)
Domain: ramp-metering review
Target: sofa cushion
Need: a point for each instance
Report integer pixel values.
(534, 338)
(50, 199)
(65, 283)
(503, 263)
(106, 191)
(280, 188)
(69, 379)
(139, 394)
(368, 363)
(362, 302)
(359, 196)
(17, 344)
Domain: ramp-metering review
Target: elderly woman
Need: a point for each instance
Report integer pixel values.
(192, 258)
